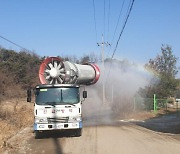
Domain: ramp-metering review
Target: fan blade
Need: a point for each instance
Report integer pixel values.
(47, 77)
(47, 71)
(50, 65)
(59, 79)
(62, 75)
(51, 81)
(61, 70)
(59, 66)
(56, 81)
(55, 64)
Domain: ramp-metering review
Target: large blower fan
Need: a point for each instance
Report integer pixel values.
(54, 70)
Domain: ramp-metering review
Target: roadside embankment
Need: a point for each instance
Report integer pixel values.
(15, 114)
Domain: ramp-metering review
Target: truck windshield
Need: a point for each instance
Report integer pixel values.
(57, 96)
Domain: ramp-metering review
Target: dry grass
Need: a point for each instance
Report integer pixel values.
(15, 115)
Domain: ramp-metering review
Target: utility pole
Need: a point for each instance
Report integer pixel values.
(102, 70)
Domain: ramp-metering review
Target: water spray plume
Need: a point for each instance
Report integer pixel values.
(121, 86)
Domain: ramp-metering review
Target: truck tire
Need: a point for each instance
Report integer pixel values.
(78, 132)
(37, 134)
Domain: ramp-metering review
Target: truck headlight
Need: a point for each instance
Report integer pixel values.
(78, 119)
(41, 120)
(74, 118)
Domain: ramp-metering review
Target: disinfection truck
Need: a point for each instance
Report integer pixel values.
(59, 97)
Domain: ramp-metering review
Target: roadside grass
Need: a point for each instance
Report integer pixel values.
(15, 114)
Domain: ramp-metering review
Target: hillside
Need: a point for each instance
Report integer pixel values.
(18, 71)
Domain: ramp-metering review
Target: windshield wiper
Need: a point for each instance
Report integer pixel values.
(69, 104)
(50, 103)
(57, 103)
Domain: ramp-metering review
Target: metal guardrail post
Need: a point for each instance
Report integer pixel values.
(177, 109)
(155, 103)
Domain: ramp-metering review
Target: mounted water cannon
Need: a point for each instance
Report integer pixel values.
(54, 70)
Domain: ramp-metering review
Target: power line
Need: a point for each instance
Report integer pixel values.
(123, 27)
(128, 7)
(120, 13)
(14, 43)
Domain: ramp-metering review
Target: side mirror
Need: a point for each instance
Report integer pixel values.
(84, 94)
(29, 95)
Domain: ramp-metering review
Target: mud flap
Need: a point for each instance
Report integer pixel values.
(80, 124)
(35, 127)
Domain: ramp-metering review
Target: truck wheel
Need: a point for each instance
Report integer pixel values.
(37, 134)
(78, 132)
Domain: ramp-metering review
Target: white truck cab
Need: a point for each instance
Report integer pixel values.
(57, 107)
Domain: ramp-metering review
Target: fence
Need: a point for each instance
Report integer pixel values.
(149, 104)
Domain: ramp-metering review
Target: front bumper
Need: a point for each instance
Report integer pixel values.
(57, 126)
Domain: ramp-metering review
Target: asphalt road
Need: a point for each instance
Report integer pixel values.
(119, 137)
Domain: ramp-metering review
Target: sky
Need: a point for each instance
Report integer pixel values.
(67, 27)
